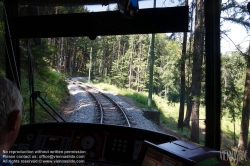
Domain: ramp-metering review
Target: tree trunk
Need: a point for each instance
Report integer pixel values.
(50, 42)
(100, 66)
(248, 149)
(189, 99)
(90, 64)
(197, 71)
(148, 57)
(243, 139)
(182, 95)
(74, 67)
(118, 53)
(53, 56)
(83, 59)
(183, 82)
(123, 54)
(138, 69)
(112, 59)
(65, 55)
(78, 62)
(186, 121)
(103, 63)
(60, 54)
(130, 66)
(166, 91)
(69, 56)
(70, 65)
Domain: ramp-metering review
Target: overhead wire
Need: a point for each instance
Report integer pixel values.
(31, 80)
(17, 82)
(245, 55)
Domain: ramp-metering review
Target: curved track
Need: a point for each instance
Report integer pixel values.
(109, 112)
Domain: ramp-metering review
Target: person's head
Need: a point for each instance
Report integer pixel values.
(11, 102)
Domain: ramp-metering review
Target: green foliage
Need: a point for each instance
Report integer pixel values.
(124, 60)
(107, 80)
(168, 62)
(2, 73)
(140, 98)
(233, 77)
(233, 100)
(83, 80)
(119, 80)
(77, 74)
(236, 12)
(167, 58)
(169, 113)
(52, 86)
(232, 85)
(43, 53)
(72, 9)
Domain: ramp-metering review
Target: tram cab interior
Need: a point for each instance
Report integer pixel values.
(99, 144)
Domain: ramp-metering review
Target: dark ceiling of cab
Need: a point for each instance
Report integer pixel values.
(158, 20)
(67, 2)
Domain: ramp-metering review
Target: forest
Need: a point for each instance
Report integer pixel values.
(179, 64)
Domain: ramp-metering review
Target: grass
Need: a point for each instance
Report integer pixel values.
(78, 74)
(52, 86)
(139, 97)
(2, 73)
(47, 81)
(170, 113)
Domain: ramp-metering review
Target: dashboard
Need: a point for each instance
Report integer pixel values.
(83, 144)
(96, 144)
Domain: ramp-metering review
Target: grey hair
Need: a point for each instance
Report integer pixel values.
(10, 100)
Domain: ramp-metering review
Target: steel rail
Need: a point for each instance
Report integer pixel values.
(123, 112)
(117, 106)
(98, 103)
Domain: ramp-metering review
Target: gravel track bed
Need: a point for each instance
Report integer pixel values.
(84, 109)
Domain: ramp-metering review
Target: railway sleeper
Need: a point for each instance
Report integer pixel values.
(112, 111)
(111, 118)
(116, 122)
(109, 108)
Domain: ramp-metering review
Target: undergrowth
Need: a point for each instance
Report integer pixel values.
(50, 83)
(52, 87)
(170, 112)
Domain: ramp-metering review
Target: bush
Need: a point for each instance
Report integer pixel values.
(52, 86)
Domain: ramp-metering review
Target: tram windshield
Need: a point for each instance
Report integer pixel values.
(119, 61)
(139, 64)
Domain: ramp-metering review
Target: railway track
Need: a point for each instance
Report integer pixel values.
(108, 111)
